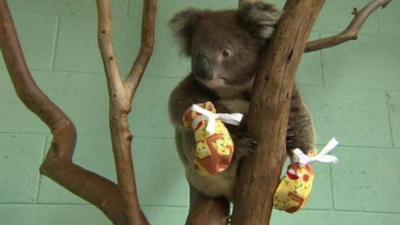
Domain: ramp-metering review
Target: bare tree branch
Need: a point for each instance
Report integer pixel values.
(207, 210)
(147, 45)
(118, 202)
(259, 174)
(121, 94)
(105, 39)
(241, 2)
(58, 164)
(351, 32)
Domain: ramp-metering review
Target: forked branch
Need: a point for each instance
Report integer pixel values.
(58, 164)
(118, 202)
(121, 94)
(351, 32)
(120, 106)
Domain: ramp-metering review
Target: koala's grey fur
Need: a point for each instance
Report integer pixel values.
(225, 47)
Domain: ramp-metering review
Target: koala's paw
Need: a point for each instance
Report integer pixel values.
(232, 106)
(260, 18)
(245, 146)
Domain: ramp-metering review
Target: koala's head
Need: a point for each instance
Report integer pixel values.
(225, 45)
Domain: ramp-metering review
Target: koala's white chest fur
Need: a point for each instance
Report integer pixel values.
(234, 91)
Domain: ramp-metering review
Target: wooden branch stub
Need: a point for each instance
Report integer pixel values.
(355, 11)
(269, 112)
(351, 32)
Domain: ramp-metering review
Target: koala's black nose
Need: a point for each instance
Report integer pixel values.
(201, 67)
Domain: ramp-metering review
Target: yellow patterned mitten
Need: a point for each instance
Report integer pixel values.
(214, 146)
(294, 190)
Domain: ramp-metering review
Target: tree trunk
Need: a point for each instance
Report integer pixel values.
(260, 172)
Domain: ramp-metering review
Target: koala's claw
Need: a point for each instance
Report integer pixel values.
(253, 145)
(264, 13)
(246, 145)
(260, 18)
(229, 220)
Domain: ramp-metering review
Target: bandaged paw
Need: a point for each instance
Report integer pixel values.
(214, 146)
(294, 190)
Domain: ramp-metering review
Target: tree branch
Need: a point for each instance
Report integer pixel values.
(105, 39)
(205, 210)
(121, 94)
(58, 164)
(259, 174)
(147, 45)
(241, 2)
(351, 32)
(118, 202)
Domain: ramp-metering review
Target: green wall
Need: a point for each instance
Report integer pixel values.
(353, 91)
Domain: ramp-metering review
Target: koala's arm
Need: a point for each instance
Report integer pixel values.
(187, 93)
(234, 106)
(300, 133)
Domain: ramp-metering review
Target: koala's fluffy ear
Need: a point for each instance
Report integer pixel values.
(183, 24)
(259, 19)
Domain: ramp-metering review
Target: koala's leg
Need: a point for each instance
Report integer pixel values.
(300, 133)
(205, 210)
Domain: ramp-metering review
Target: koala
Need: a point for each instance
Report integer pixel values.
(225, 49)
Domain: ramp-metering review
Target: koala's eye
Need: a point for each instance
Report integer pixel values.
(226, 52)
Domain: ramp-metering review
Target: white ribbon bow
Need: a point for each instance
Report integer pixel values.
(322, 156)
(230, 118)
